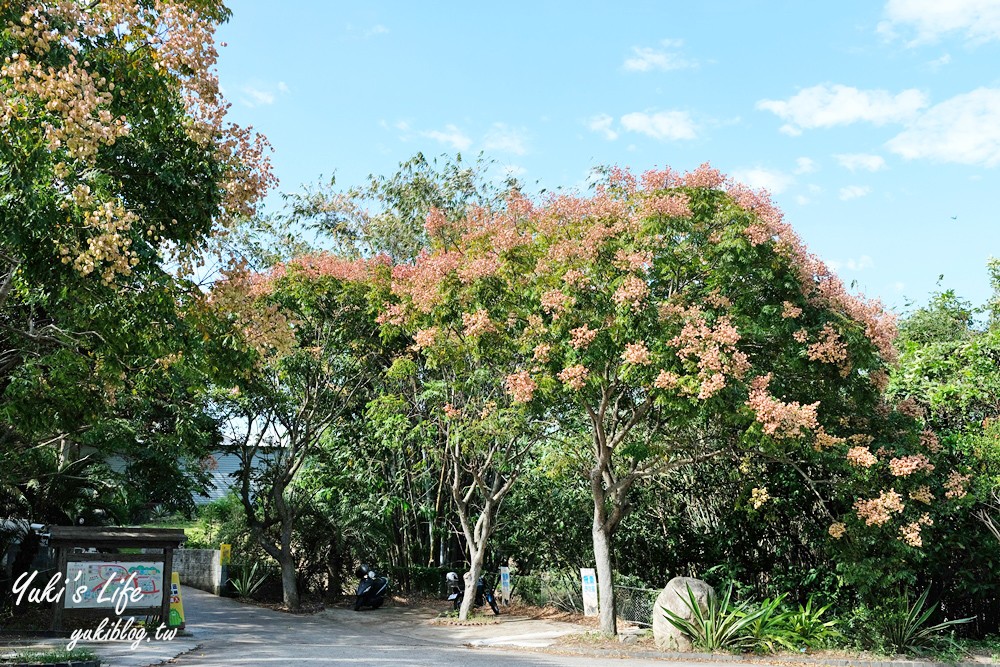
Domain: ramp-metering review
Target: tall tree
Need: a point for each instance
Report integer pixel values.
(312, 328)
(679, 320)
(115, 160)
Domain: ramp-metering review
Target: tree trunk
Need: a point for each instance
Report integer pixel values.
(289, 579)
(605, 580)
(471, 580)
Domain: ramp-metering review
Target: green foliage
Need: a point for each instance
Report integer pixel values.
(724, 625)
(248, 580)
(806, 625)
(904, 626)
(59, 655)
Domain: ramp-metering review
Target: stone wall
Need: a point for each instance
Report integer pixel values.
(199, 568)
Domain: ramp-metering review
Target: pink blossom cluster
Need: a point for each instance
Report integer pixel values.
(956, 485)
(666, 380)
(826, 440)
(556, 302)
(477, 323)
(451, 412)
(780, 419)
(705, 176)
(317, 265)
(420, 281)
(819, 285)
(861, 457)
(574, 377)
(929, 441)
(575, 278)
(632, 292)
(909, 407)
(636, 260)
(391, 313)
(425, 338)
(837, 530)
(907, 465)
(668, 206)
(478, 267)
(712, 347)
(521, 387)
(581, 337)
(541, 352)
(922, 494)
(658, 179)
(878, 511)
(801, 335)
(879, 378)
(790, 311)
(435, 222)
(910, 533)
(829, 348)
(636, 353)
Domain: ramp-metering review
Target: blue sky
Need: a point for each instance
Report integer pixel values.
(875, 124)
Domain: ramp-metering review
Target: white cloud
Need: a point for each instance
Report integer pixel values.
(402, 126)
(282, 87)
(801, 200)
(663, 125)
(828, 105)
(805, 165)
(864, 262)
(864, 161)
(854, 192)
(602, 123)
(377, 29)
(964, 129)
(451, 135)
(505, 139)
(851, 264)
(257, 96)
(645, 58)
(979, 20)
(771, 180)
(938, 63)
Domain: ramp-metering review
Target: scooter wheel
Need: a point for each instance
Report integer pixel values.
(378, 603)
(493, 605)
(357, 605)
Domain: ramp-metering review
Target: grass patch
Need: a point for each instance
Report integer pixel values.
(53, 656)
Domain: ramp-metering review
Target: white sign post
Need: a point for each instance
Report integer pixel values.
(589, 579)
(505, 584)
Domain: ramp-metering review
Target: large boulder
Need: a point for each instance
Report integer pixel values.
(673, 597)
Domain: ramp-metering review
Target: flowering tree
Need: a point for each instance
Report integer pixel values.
(678, 317)
(310, 328)
(115, 160)
(467, 368)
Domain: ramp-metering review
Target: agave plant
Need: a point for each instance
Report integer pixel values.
(723, 625)
(248, 582)
(907, 629)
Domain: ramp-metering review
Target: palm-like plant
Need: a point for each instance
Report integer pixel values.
(723, 625)
(906, 630)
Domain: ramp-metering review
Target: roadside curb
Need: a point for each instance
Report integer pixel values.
(668, 656)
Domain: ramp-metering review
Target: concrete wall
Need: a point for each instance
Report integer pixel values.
(199, 568)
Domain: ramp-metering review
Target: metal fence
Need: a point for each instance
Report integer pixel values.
(635, 605)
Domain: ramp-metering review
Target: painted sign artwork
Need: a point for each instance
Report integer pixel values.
(102, 583)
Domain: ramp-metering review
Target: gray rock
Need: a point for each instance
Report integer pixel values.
(673, 597)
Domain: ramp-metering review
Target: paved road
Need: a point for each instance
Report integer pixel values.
(233, 634)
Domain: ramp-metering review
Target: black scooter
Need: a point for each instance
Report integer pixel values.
(457, 587)
(372, 589)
